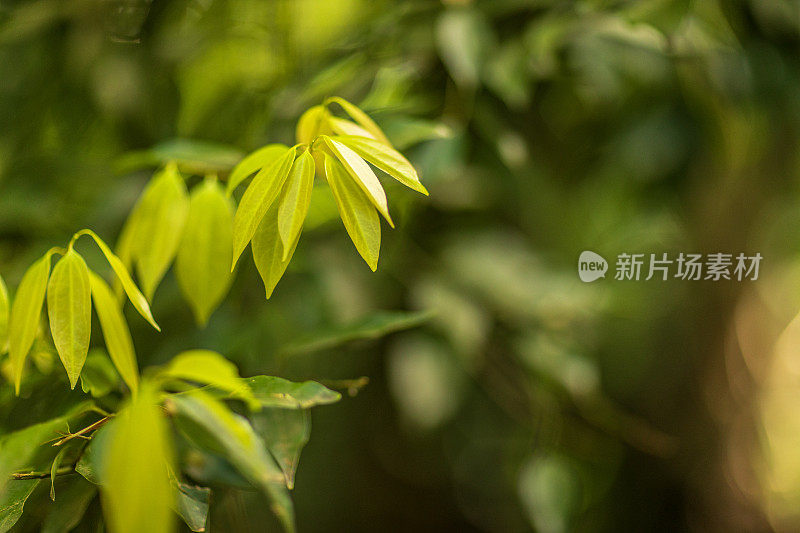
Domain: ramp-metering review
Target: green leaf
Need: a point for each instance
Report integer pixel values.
(164, 206)
(115, 331)
(312, 123)
(285, 432)
(358, 215)
(13, 500)
(295, 201)
(204, 256)
(271, 391)
(26, 312)
(67, 512)
(261, 158)
(126, 244)
(361, 174)
(74, 496)
(98, 376)
(209, 368)
(134, 294)
(69, 308)
(268, 252)
(387, 159)
(136, 491)
(191, 155)
(90, 465)
(4, 311)
(341, 126)
(362, 119)
(54, 468)
(192, 504)
(211, 426)
(376, 325)
(257, 199)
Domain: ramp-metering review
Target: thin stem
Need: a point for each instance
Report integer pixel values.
(63, 471)
(84, 431)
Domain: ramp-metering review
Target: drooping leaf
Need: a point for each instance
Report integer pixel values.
(358, 214)
(285, 432)
(211, 426)
(341, 126)
(136, 491)
(387, 159)
(25, 315)
(163, 209)
(191, 503)
(4, 311)
(209, 368)
(126, 246)
(362, 119)
(257, 199)
(312, 123)
(134, 294)
(98, 376)
(271, 391)
(295, 201)
(261, 158)
(202, 267)
(361, 174)
(268, 252)
(74, 496)
(13, 500)
(69, 309)
(374, 326)
(54, 469)
(115, 331)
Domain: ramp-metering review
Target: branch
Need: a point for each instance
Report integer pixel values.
(84, 431)
(64, 470)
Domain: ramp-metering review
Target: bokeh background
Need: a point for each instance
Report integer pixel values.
(504, 395)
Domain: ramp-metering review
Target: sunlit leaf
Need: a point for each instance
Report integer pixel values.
(202, 267)
(268, 253)
(115, 331)
(209, 368)
(163, 209)
(295, 201)
(98, 376)
(312, 123)
(69, 308)
(358, 214)
(341, 126)
(257, 199)
(25, 315)
(13, 500)
(136, 491)
(271, 391)
(126, 244)
(361, 174)
(74, 496)
(210, 425)
(387, 159)
(285, 432)
(4, 311)
(362, 119)
(261, 158)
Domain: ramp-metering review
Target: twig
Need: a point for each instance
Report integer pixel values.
(64, 470)
(84, 431)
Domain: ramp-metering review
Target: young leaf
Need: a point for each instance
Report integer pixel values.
(12, 501)
(362, 175)
(285, 432)
(358, 215)
(4, 310)
(134, 294)
(115, 331)
(136, 491)
(387, 159)
(164, 206)
(268, 253)
(362, 119)
(69, 309)
(271, 391)
(125, 248)
(312, 123)
(341, 126)
(261, 158)
(203, 263)
(25, 315)
(209, 368)
(257, 199)
(295, 201)
(54, 469)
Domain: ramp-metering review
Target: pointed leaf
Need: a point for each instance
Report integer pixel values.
(362, 175)
(362, 119)
(12, 501)
(294, 203)
(271, 391)
(4, 311)
(136, 491)
(312, 123)
(358, 215)
(126, 244)
(387, 159)
(164, 206)
(341, 126)
(257, 199)
(69, 309)
(268, 253)
(54, 468)
(209, 368)
(115, 331)
(285, 432)
(26, 312)
(261, 158)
